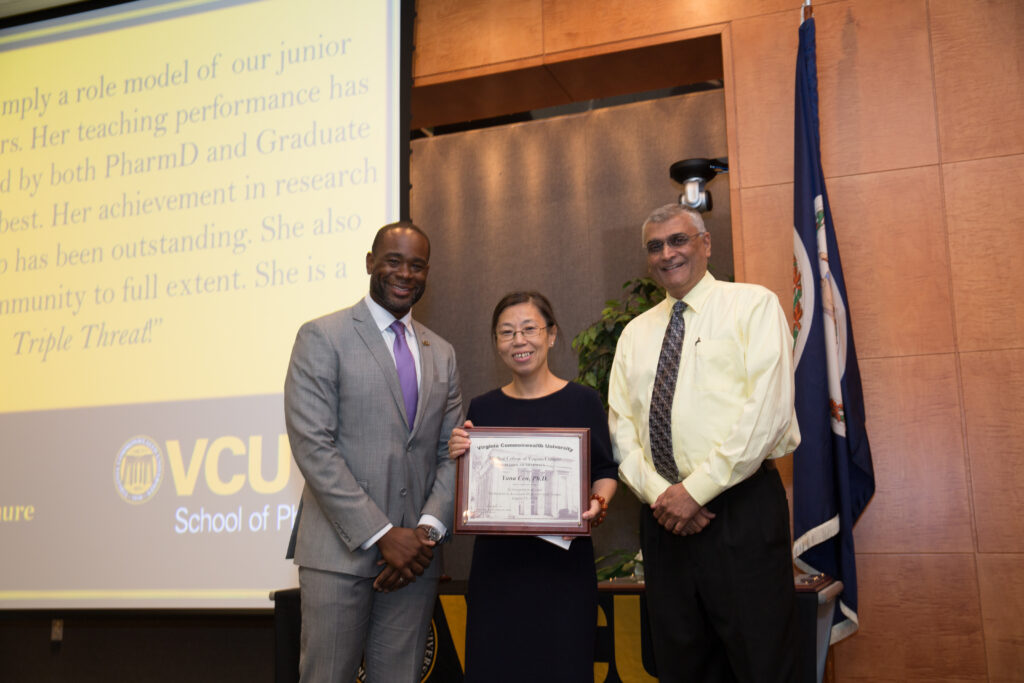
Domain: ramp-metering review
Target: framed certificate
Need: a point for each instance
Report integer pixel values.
(526, 481)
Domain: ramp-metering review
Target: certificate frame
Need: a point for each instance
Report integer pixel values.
(524, 481)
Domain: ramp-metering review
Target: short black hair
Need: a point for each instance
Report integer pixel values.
(398, 225)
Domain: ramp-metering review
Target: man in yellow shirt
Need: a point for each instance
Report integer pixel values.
(700, 404)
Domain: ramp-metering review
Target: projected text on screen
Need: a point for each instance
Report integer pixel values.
(182, 184)
(174, 184)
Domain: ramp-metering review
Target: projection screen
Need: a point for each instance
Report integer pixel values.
(182, 185)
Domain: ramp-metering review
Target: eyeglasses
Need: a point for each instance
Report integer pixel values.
(676, 241)
(528, 332)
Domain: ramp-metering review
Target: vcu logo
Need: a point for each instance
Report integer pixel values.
(138, 470)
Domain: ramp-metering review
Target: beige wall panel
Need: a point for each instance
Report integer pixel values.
(993, 395)
(921, 502)
(893, 252)
(984, 205)
(979, 77)
(572, 24)
(920, 621)
(768, 240)
(1002, 603)
(892, 244)
(764, 67)
(874, 88)
(461, 34)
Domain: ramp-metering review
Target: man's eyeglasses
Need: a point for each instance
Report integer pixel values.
(676, 241)
(528, 332)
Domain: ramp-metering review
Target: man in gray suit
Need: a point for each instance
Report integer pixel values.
(370, 399)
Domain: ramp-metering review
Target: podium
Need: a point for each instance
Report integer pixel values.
(815, 605)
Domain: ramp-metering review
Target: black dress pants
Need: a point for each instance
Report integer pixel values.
(721, 602)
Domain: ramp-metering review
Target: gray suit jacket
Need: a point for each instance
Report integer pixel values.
(350, 438)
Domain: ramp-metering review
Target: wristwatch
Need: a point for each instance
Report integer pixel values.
(433, 534)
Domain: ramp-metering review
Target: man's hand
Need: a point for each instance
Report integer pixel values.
(679, 513)
(698, 522)
(389, 580)
(407, 553)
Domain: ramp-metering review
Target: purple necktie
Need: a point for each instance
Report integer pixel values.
(406, 371)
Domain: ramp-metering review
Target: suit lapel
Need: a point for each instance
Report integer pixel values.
(427, 370)
(371, 336)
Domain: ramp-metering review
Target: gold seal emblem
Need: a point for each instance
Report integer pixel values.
(429, 656)
(138, 470)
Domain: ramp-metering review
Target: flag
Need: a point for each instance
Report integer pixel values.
(833, 478)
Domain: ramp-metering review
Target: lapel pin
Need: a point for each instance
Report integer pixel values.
(426, 342)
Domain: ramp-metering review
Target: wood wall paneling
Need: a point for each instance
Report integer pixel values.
(458, 34)
(893, 248)
(874, 87)
(993, 395)
(1002, 602)
(768, 240)
(920, 621)
(921, 502)
(892, 245)
(735, 169)
(739, 247)
(536, 83)
(979, 77)
(486, 96)
(641, 69)
(571, 24)
(764, 66)
(984, 205)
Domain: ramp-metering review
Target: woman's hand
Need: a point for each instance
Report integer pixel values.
(594, 510)
(600, 496)
(458, 443)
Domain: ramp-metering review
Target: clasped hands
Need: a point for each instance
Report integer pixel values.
(406, 554)
(679, 513)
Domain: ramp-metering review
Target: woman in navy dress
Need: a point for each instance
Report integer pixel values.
(532, 605)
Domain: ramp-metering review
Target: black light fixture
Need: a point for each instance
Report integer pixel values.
(694, 175)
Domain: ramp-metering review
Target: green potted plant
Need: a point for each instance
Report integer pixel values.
(595, 345)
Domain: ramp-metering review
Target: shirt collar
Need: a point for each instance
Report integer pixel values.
(696, 297)
(383, 316)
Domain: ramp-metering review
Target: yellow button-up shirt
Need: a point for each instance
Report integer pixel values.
(733, 402)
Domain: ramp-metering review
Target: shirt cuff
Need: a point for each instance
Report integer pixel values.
(376, 537)
(431, 520)
(640, 476)
(701, 487)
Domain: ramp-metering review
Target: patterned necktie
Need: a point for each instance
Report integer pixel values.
(661, 397)
(406, 371)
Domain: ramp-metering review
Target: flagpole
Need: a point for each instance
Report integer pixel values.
(833, 478)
